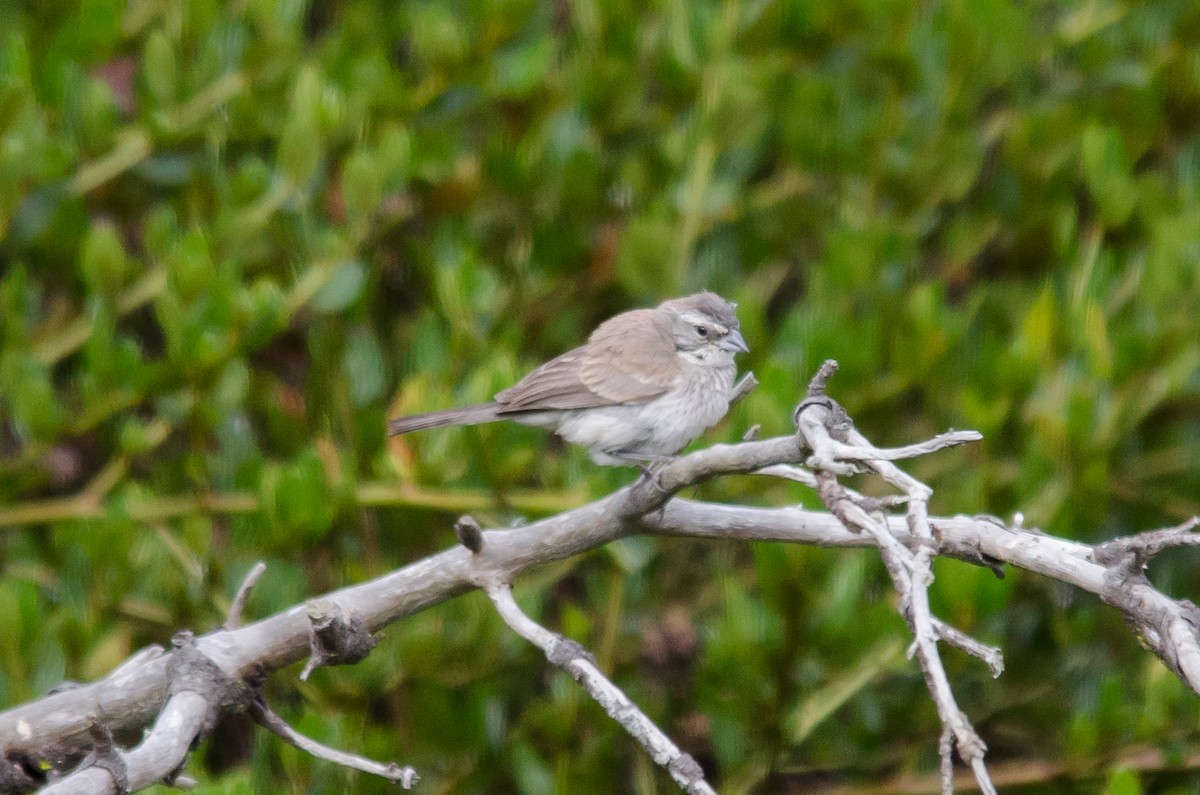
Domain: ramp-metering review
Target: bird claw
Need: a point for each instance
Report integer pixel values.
(652, 474)
(649, 464)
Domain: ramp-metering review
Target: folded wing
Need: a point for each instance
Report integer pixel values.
(623, 363)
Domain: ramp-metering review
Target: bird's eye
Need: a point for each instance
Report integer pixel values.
(702, 331)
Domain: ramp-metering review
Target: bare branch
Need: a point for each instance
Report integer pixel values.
(1181, 647)
(234, 619)
(134, 693)
(147, 689)
(156, 759)
(820, 381)
(789, 472)
(865, 452)
(339, 636)
(946, 760)
(805, 477)
(572, 658)
(819, 420)
(263, 715)
(1136, 551)
(989, 655)
(742, 388)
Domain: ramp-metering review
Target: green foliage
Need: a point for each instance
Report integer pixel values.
(236, 238)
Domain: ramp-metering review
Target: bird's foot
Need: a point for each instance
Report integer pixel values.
(652, 475)
(649, 464)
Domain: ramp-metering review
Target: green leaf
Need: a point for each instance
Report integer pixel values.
(300, 500)
(160, 68)
(1107, 171)
(300, 143)
(362, 185)
(644, 259)
(394, 156)
(191, 266)
(363, 367)
(1123, 781)
(36, 410)
(518, 70)
(103, 260)
(343, 288)
(820, 704)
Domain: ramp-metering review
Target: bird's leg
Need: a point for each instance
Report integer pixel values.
(650, 472)
(639, 460)
(649, 464)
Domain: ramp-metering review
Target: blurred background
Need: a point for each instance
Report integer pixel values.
(235, 237)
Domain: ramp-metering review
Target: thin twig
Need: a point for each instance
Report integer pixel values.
(991, 656)
(404, 776)
(798, 474)
(789, 472)
(572, 658)
(1142, 547)
(742, 388)
(234, 619)
(861, 452)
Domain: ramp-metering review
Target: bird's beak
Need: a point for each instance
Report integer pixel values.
(734, 342)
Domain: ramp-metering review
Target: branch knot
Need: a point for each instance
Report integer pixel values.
(104, 755)
(565, 650)
(337, 636)
(190, 669)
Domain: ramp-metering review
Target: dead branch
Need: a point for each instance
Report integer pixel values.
(575, 660)
(179, 693)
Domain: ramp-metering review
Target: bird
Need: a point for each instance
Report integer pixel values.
(644, 386)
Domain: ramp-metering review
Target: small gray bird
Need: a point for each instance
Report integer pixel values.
(646, 384)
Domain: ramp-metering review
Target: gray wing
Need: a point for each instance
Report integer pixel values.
(616, 366)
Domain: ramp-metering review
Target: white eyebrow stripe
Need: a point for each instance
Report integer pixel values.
(698, 319)
(703, 320)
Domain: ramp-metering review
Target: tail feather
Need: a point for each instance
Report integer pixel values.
(468, 415)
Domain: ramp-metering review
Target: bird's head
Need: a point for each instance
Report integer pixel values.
(704, 327)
